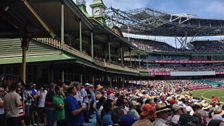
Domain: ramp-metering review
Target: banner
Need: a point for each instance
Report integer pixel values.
(159, 73)
(191, 73)
(188, 61)
(219, 72)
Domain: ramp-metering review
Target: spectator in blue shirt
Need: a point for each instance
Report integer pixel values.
(73, 111)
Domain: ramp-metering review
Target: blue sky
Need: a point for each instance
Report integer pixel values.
(211, 9)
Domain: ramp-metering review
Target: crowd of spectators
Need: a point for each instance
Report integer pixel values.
(186, 68)
(177, 86)
(154, 103)
(208, 46)
(197, 46)
(152, 45)
(54, 104)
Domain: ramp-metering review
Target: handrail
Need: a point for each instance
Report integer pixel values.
(56, 43)
(77, 53)
(119, 67)
(49, 41)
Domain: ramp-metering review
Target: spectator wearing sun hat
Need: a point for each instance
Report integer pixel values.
(162, 111)
(217, 113)
(204, 117)
(147, 115)
(99, 91)
(99, 87)
(133, 111)
(177, 112)
(206, 106)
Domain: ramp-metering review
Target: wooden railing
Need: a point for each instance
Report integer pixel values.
(77, 53)
(57, 44)
(99, 63)
(119, 67)
(49, 41)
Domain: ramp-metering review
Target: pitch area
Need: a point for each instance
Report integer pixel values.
(208, 93)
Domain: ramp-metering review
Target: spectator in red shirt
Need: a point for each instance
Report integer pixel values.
(214, 99)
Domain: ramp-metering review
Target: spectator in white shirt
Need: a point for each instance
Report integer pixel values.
(162, 111)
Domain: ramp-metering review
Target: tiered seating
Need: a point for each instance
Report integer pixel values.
(198, 46)
(188, 61)
(152, 45)
(189, 68)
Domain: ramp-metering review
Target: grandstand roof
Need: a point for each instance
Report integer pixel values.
(152, 22)
(15, 15)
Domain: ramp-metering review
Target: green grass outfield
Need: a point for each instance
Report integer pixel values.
(208, 93)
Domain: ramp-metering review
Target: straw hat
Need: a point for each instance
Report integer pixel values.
(162, 107)
(218, 110)
(98, 87)
(206, 105)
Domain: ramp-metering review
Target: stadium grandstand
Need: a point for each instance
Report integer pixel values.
(192, 58)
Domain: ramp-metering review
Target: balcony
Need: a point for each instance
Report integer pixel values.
(57, 44)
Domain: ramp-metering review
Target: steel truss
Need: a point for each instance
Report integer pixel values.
(152, 22)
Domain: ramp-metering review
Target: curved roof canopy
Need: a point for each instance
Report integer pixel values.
(152, 22)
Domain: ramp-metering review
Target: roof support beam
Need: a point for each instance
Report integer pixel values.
(46, 27)
(12, 20)
(62, 25)
(80, 36)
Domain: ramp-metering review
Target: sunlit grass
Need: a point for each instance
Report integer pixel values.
(208, 93)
